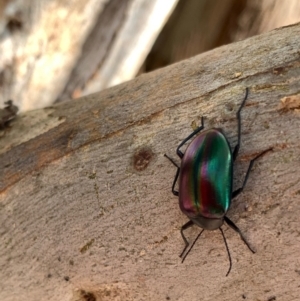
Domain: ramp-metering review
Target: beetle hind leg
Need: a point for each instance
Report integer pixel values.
(184, 227)
(233, 226)
(189, 250)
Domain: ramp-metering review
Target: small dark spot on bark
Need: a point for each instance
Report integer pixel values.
(67, 278)
(229, 107)
(279, 70)
(273, 298)
(266, 125)
(92, 176)
(87, 296)
(87, 246)
(49, 275)
(142, 158)
(14, 25)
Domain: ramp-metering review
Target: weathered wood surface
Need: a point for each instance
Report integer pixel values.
(86, 206)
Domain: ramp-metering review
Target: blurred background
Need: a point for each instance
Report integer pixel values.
(57, 50)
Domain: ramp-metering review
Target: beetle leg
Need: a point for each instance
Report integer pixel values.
(238, 116)
(233, 226)
(239, 190)
(173, 162)
(200, 128)
(175, 192)
(184, 227)
(230, 262)
(187, 253)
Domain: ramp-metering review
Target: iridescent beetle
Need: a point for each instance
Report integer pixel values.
(205, 181)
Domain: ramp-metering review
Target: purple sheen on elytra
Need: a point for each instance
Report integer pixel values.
(205, 184)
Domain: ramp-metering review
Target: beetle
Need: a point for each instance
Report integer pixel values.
(206, 181)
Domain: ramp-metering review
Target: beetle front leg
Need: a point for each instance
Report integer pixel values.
(238, 116)
(200, 128)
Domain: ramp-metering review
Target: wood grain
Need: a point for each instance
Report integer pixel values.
(86, 206)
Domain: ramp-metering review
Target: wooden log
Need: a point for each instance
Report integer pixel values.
(86, 206)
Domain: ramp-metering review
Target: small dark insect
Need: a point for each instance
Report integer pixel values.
(205, 181)
(8, 113)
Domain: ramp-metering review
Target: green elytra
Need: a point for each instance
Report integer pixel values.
(206, 176)
(205, 181)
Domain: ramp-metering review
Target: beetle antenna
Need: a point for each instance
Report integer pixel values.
(189, 250)
(230, 262)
